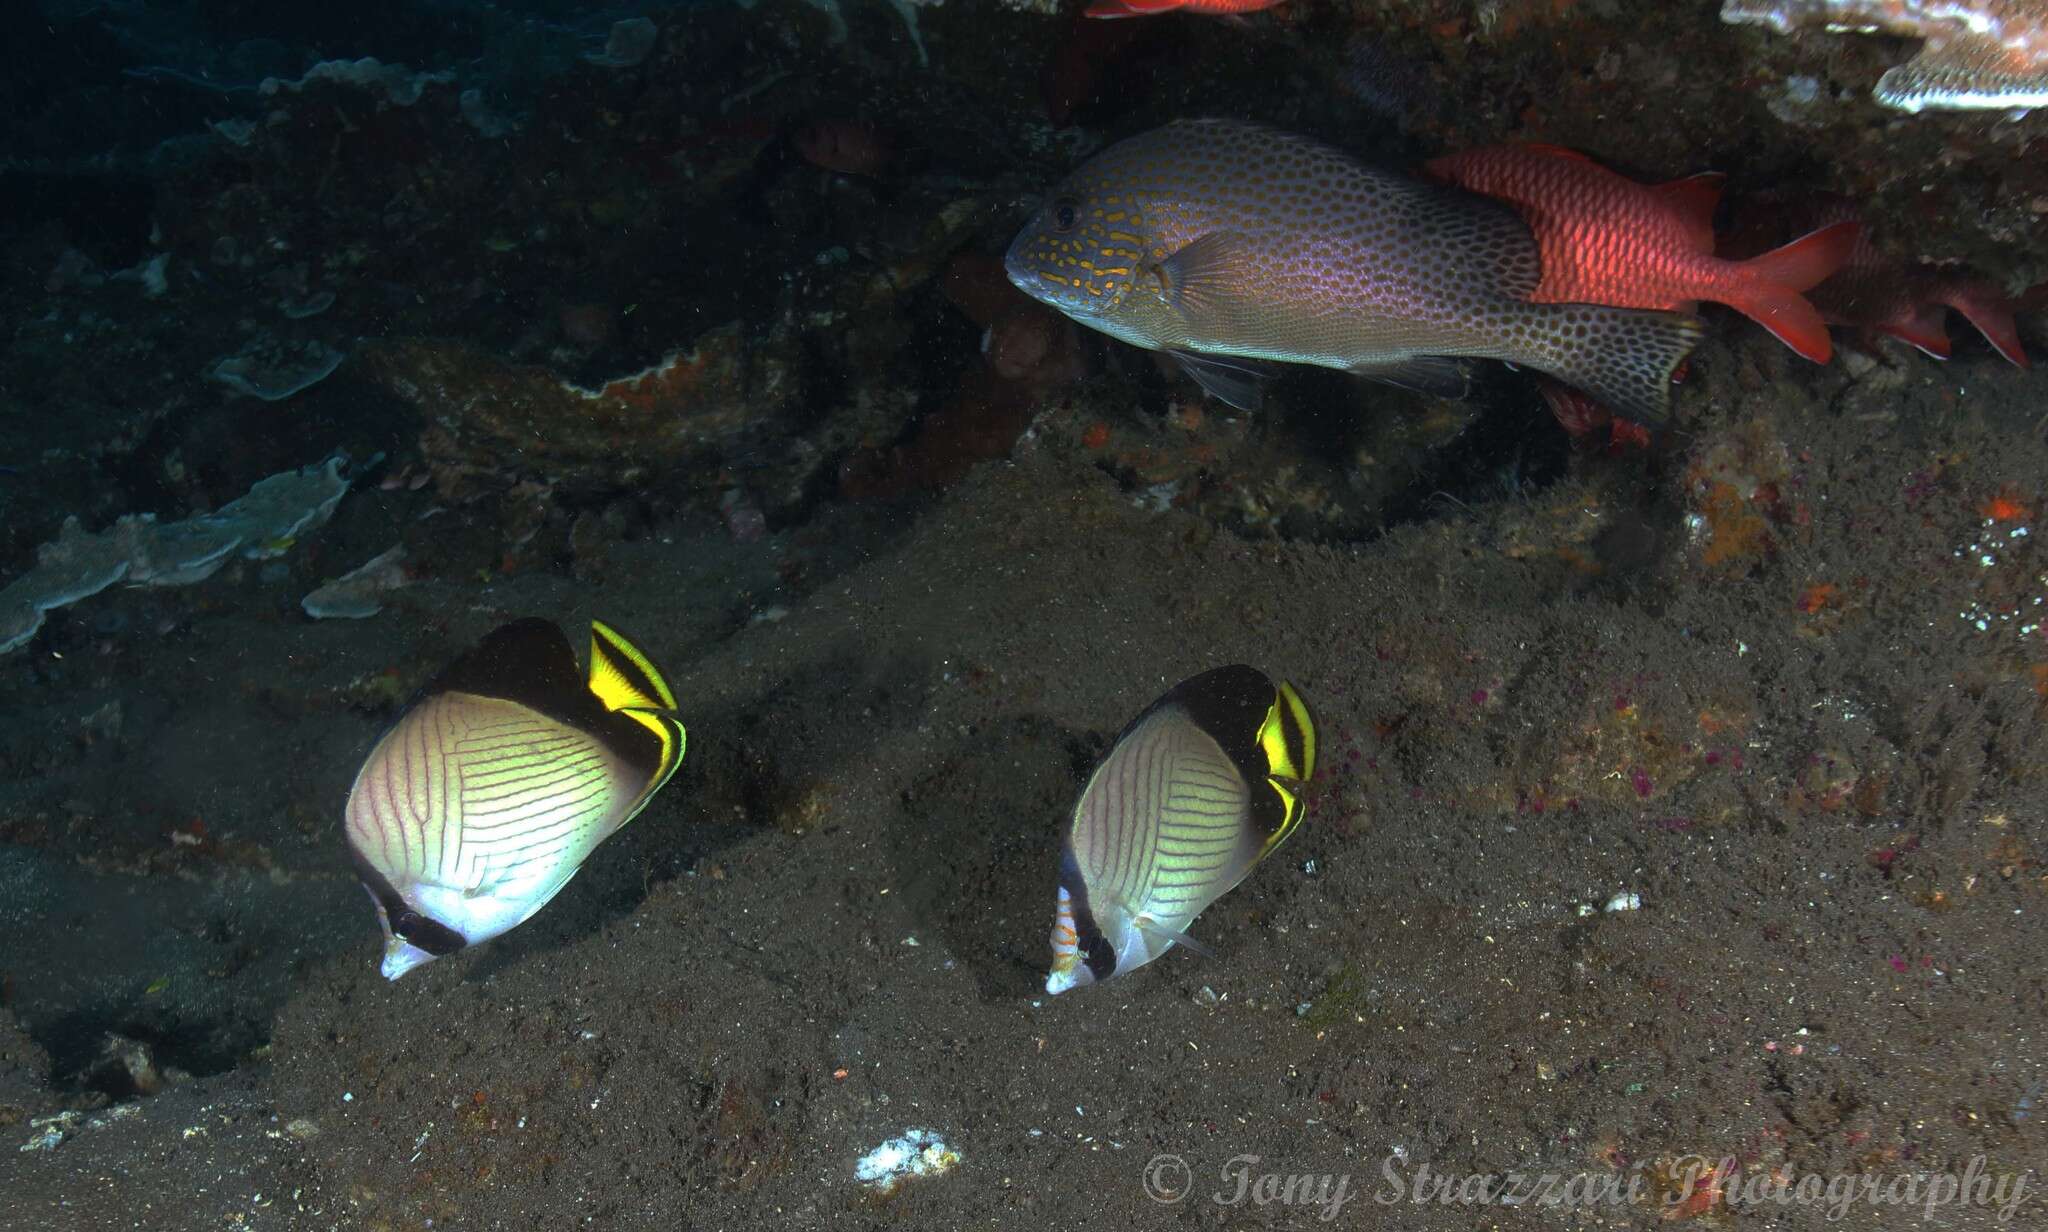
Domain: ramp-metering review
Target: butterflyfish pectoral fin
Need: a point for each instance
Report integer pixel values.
(1162, 936)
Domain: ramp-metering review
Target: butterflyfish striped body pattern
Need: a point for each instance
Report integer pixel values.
(1194, 793)
(500, 779)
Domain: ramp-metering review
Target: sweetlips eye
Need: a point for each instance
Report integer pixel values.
(1064, 215)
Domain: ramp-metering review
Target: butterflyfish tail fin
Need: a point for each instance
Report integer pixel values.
(626, 681)
(622, 677)
(1288, 738)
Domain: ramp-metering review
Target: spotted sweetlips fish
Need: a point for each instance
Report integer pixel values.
(1607, 239)
(1224, 244)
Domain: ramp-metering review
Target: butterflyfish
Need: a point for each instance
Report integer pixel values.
(1199, 788)
(500, 779)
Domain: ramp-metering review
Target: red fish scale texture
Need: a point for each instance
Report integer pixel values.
(1605, 239)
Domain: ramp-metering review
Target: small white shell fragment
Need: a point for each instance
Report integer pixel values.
(1625, 901)
(51, 1131)
(919, 1152)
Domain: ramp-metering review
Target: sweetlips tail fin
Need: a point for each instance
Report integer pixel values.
(1623, 358)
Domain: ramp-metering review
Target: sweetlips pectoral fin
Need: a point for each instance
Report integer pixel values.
(1233, 381)
(1438, 376)
(1205, 279)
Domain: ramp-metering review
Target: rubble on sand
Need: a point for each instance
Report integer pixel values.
(275, 371)
(631, 42)
(358, 594)
(392, 84)
(142, 551)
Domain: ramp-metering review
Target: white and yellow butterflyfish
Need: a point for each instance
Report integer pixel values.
(500, 779)
(1194, 793)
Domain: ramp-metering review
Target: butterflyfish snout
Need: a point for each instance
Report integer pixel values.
(1194, 793)
(500, 779)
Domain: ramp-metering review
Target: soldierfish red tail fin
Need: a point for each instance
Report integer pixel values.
(1786, 314)
(1806, 262)
(1990, 310)
(1766, 289)
(1623, 358)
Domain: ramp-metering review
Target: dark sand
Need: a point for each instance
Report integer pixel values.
(831, 927)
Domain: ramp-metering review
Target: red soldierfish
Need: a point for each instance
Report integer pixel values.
(1608, 240)
(1911, 303)
(1148, 8)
